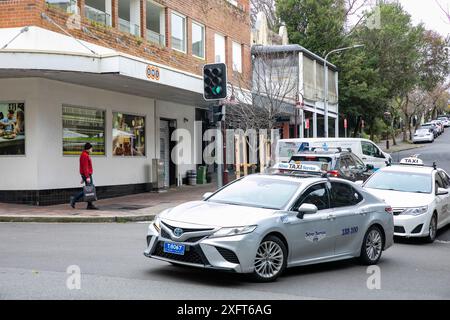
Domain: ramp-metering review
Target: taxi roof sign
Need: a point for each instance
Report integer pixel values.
(298, 167)
(414, 160)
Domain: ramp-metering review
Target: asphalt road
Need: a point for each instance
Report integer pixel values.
(34, 259)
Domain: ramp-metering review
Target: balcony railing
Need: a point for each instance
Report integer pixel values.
(156, 37)
(126, 26)
(97, 15)
(69, 6)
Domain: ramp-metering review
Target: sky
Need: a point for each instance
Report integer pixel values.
(428, 12)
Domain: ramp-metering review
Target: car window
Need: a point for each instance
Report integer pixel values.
(351, 163)
(257, 191)
(343, 164)
(316, 195)
(445, 179)
(439, 182)
(369, 149)
(343, 195)
(401, 181)
(358, 161)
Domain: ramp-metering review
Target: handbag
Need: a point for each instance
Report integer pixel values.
(89, 193)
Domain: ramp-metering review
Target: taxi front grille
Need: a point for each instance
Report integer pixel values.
(166, 235)
(192, 254)
(398, 229)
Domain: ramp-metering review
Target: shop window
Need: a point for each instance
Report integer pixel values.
(12, 128)
(128, 135)
(82, 125)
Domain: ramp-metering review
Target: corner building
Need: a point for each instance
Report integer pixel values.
(120, 74)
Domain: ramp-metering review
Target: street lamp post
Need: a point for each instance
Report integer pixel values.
(325, 77)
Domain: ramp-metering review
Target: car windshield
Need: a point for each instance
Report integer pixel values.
(324, 163)
(258, 192)
(400, 181)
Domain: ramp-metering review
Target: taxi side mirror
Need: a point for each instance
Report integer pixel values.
(306, 208)
(441, 192)
(207, 195)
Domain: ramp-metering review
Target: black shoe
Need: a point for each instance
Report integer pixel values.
(72, 202)
(91, 207)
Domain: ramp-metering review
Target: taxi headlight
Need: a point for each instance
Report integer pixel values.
(232, 231)
(415, 211)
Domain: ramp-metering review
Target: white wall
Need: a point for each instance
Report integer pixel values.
(45, 167)
(169, 110)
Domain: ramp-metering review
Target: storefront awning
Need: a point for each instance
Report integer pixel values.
(38, 52)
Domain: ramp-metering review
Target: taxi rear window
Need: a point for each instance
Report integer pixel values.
(323, 162)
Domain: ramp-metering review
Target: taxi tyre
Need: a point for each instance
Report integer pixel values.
(364, 257)
(431, 237)
(275, 240)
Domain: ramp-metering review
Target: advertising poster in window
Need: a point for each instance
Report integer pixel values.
(81, 125)
(128, 135)
(12, 128)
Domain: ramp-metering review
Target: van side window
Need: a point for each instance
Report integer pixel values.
(369, 149)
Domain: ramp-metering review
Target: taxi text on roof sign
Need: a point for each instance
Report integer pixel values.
(299, 167)
(412, 161)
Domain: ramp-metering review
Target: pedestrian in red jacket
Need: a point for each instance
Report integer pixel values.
(86, 172)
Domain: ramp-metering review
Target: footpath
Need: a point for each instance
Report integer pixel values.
(138, 207)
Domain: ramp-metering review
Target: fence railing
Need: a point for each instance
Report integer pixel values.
(156, 37)
(97, 15)
(127, 26)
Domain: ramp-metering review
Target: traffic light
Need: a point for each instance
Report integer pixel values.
(217, 113)
(215, 81)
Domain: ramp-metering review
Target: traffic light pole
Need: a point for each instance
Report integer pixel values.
(219, 155)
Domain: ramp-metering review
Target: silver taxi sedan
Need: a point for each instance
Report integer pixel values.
(263, 224)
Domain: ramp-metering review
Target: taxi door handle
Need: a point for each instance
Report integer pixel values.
(329, 217)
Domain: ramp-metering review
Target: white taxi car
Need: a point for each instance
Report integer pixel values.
(418, 194)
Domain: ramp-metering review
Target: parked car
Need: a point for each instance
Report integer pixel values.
(431, 126)
(440, 126)
(419, 196)
(445, 121)
(262, 224)
(365, 149)
(423, 135)
(337, 162)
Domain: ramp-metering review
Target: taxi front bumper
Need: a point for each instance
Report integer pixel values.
(411, 226)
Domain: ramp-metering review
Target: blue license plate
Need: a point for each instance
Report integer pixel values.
(174, 248)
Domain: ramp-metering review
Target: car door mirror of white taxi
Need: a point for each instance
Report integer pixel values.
(306, 208)
(359, 183)
(441, 192)
(207, 195)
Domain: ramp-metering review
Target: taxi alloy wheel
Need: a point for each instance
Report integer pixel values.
(372, 246)
(270, 260)
(432, 230)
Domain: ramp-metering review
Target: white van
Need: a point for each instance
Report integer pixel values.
(365, 149)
